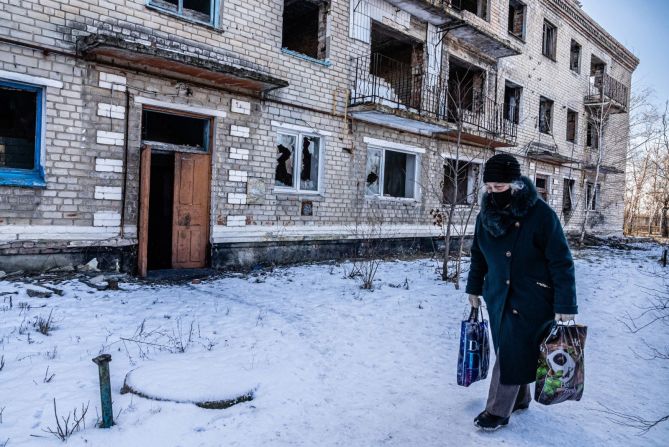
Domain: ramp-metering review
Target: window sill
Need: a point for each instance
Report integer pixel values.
(406, 200)
(295, 192)
(208, 25)
(518, 38)
(304, 57)
(554, 59)
(23, 179)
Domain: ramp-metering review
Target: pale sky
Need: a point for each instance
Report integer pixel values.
(643, 27)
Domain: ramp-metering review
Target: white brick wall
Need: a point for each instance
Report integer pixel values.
(238, 176)
(111, 138)
(112, 81)
(111, 111)
(239, 154)
(108, 165)
(106, 219)
(236, 221)
(242, 107)
(240, 131)
(108, 192)
(236, 198)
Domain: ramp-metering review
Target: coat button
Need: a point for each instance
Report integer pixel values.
(508, 254)
(508, 282)
(514, 311)
(517, 224)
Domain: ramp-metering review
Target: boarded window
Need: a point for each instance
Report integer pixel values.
(172, 129)
(549, 42)
(568, 195)
(391, 173)
(517, 19)
(465, 177)
(512, 97)
(304, 24)
(199, 10)
(572, 125)
(545, 115)
(298, 162)
(575, 57)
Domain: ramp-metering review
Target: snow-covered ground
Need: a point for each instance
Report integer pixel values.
(329, 363)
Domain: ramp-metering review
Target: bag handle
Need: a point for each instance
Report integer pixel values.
(473, 314)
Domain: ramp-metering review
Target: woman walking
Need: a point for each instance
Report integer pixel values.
(521, 264)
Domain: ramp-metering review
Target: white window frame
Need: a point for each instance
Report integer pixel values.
(471, 179)
(382, 168)
(549, 179)
(297, 161)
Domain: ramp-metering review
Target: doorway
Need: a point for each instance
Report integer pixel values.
(161, 195)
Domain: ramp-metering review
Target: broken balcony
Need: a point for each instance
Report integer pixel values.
(172, 58)
(465, 20)
(607, 93)
(548, 153)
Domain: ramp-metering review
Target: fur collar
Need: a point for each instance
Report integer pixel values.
(498, 221)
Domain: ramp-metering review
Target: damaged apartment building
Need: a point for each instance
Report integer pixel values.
(167, 134)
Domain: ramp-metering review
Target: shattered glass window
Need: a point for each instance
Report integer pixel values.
(310, 159)
(373, 171)
(399, 171)
(285, 151)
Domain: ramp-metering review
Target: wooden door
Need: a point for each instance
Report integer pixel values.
(143, 221)
(190, 221)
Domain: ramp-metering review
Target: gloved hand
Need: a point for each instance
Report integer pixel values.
(475, 301)
(564, 317)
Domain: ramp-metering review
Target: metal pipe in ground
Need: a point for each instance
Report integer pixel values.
(105, 390)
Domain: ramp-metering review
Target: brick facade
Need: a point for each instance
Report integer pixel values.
(92, 118)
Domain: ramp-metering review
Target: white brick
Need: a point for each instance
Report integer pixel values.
(111, 111)
(237, 199)
(108, 192)
(106, 219)
(240, 131)
(112, 81)
(238, 176)
(111, 138)
(242, 107)
(108, 165)
(236, 221)
(239, 154)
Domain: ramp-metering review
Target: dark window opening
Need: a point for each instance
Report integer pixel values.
(304, 24)
(575, 57)
(160, 211)
(517, 19)
(572, 125)
(466, 84)
(541, 182)
(200, 10)
(512, 96)
(592, 196)
(167, 128)
(592, 136)
(549, 42)
(477, 7)
(545, 115)
(568, 195)
(18, 127)
(597, 66)
(466, 179)
(398, 60)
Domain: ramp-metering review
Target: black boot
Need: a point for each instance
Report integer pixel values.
(520, 407)
(490, 422)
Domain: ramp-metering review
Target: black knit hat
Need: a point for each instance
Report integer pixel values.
(501, 168)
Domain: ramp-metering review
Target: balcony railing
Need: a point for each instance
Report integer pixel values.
(380, 80)
(603, 87)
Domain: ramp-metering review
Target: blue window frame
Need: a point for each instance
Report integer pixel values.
(21, 124)
(200, 11)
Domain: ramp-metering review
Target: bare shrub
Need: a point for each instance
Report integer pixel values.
(67, 426)
(44, 325)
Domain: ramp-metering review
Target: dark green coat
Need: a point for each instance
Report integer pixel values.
(522, 266)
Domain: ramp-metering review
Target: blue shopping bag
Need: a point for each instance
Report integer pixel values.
(474, 355)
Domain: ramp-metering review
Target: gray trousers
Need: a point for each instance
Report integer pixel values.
(502, 398)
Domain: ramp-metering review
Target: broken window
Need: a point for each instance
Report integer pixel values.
(517, 19)
(298, 161)
(545, 115)
(592, 195)
(466, 177)
(304, 27)
(477, 7)
(568, 195)
(466, 84)
(170, 129)
(391, 173)
(575, 57)
(541, 182)
(20, 134)
(549, 43)
(198, 10)
(572, 125)
(592, 136)
(512, 95)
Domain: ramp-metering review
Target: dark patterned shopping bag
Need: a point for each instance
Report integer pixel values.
(474, 355)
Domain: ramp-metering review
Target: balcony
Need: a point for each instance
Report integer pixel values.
(548, 153)
(393, 94)
(463, 22)
(607, 93)
(591, 158)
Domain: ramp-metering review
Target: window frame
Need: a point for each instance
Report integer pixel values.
(589, 188)
(551, 117)
(207, 137)
(215, 12)
(297, 161)
(517, 115)
(575, 114)
(524, 30)
(580, 56)
(571, 184)
(382, 169)
(548, 24)
(471, 181)
(546, 188)
(35, 177)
